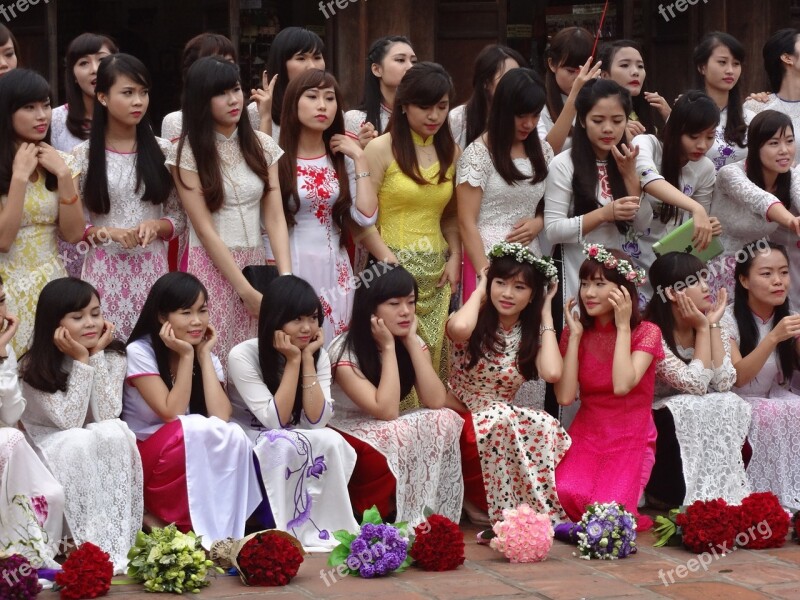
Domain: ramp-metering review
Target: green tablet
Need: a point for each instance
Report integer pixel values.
(680, 240)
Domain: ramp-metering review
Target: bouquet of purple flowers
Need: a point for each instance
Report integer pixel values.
(607, 531)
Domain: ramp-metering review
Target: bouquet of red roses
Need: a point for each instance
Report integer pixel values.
(86, 573)
(265, 558)
(439, 544)
(708, 525)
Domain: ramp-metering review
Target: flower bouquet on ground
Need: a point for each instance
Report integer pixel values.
(19, 579)
(762, 523)
(375, 550)
(523, 536)
(606, 531)
(438, 544)
(167, 560)
(265, 558)
(86, 573)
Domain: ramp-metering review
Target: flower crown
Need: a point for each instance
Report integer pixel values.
(520, 253)
(609, 261)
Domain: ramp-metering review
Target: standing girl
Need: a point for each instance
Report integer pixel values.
(610, 357)
(501, 338)
(412, 169)
(129, 194)
(227, 179)
(319, 199)
(280, 388)
(198, 468)
(592, 189)
(407, 460)
(764, 351)
(31, 499)
(38, 196)
(469, 120)
(718, 59)
(72, 379)
(388, 60)
(9, 51)
(701, 423)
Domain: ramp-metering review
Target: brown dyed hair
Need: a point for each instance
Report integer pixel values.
(593, 269)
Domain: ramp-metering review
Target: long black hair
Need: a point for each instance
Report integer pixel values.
(18, 88)
(571, 47)
(371, 104)
(665, 272)
(172, 292)
(5, 36)
(584, 160)
(485, 339)
(287, 298)
(41, 366)
(393, 282)
(519, 92)
(762, 128)
(779, 43)
(748, 329)
(150, 171)
(693, 113)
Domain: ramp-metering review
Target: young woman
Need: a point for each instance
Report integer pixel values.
(592, 190)
(319, 199)
(9, 51)
(72, 379)
(72, 121)
(413, 171)
(31, 500)
(758, 198)
(205, 44)
(500, 177)
(764, 351)
(610, 358)
(227, 179)
(677, 177)
(468, 121)
(38, 187)
(718, 59)
(388, 60)
(280, 389)
(569, 67)
(407, 460)
(622, 62)
(198, 468)
(701, 423)
(506, 327)
(294, 50)
(129, 194)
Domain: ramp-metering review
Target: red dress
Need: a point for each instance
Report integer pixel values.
(613, 437)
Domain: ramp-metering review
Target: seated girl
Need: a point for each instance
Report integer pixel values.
(31, 500)
(701, 424)
(764, 350)
(280, 390)
(72, 378)
(502, 337)
(610, 354)
(406, 461)
(198, 468)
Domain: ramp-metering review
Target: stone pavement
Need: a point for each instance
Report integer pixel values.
(741, 575)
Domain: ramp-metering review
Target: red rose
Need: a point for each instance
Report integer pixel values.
(439, 544)
(269, 560)
(708, 524)
(762, 522)
(86, 573)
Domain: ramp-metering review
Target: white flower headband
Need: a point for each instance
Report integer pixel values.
(609, 261)
(520, 253)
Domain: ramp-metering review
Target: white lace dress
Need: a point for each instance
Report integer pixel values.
(354, 119)
(238, 224)
(457, 119)
(31, 500)
(711, 423)
(305, 467)
(775, 427)
(172, 124)
(421, 448)
(787, 107)
(124, 276)
(91, 452)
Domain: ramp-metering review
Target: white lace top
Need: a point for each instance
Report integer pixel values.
(354, 119)
(787, 107)
(502, 204)
(172, 125)
(458, 124)
(238, 221)
(12, 404)
(61, 138)
(770, 374)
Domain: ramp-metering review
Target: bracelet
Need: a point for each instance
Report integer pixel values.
(543, 328)
(713, 325)
(310, 375)
(308, 387)
(287, 273)
(72, 200)
(360, 175)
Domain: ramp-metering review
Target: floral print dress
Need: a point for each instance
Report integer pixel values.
(519, 447)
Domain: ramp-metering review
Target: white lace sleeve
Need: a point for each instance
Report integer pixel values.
(64, 410)
(172, 209)
(353, 120)
(732, 182)
(724, 375)
(559, 226)
(12, 404)
(272, 152)
(794, 192)
(693, 378)
(109, 376)
(186, 162)
(474, 166)
(358, 217)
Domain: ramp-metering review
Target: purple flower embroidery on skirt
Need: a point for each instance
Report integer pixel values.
(40, 509)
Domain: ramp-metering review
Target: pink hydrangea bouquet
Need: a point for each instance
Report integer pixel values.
(523, 535)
